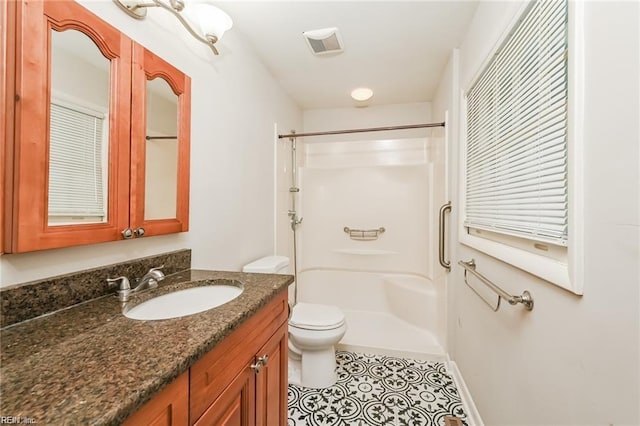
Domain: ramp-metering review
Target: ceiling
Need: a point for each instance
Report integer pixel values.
(397, 48)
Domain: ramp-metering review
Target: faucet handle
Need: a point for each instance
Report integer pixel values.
(157, 273)
(121, 282)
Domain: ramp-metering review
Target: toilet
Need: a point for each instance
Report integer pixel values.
(314, 330)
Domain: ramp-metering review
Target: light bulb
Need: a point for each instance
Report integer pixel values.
(361, 94)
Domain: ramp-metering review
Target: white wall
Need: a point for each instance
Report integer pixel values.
(235, 103)
(319, 120)
(572, 360)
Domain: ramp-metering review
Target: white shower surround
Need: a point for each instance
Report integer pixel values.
(390, 290)
(385, 313)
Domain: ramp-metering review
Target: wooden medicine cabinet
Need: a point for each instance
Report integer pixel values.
(101, 133)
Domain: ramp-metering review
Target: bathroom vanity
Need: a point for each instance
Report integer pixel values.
(242, 381)
(89, 364)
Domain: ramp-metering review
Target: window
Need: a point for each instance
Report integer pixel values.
(76, 173)
(516, 181)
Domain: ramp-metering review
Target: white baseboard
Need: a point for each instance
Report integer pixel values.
(473, 416)
(435, 357)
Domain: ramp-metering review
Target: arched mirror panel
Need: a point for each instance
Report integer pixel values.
(71, 128)
(78, 178)
(160, 145)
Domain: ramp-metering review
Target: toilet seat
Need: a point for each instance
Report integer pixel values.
(311, 316)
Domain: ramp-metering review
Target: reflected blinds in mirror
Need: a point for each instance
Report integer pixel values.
(78, 141)
(76, 175)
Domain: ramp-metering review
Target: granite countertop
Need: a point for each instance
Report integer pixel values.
(89, 364)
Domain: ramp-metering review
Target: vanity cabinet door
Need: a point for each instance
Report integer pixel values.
(170, 407)
(227, 375)
(160, 145)
(236, 404)
(272, 381)
(54, 86)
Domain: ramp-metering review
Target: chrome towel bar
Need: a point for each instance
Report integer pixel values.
(526, 299)
(363, 234)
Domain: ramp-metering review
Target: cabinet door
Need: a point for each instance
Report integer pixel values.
(54, 86)
(214, 372)
(271, 381)
(236, 404)
(160, 145)
(169, 408)
(7, 64)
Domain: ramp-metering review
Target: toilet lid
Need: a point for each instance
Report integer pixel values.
(312, 316)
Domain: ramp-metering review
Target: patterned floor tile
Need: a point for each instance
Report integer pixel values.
(376, 390)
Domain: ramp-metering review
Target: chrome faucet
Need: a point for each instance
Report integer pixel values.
(149, 280)
(124, 288)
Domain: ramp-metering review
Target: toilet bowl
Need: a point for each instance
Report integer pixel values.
(314, 330)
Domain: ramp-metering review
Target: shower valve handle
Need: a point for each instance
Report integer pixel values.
(295, 221)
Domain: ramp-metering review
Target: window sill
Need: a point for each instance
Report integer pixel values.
(543, 267)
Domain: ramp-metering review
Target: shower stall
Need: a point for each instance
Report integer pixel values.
(365, 235)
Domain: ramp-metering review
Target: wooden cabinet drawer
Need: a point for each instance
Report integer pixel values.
(215, 371)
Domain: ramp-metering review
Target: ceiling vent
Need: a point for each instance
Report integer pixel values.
(324, 41)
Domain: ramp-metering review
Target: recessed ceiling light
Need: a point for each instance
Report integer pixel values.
(362, 94)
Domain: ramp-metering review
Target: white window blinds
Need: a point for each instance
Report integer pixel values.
(516, 163)
(76, 186)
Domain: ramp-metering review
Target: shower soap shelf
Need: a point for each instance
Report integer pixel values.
(362, 252)
(363, 234)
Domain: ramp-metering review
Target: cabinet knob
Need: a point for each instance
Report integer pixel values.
(263, 359)
(127, 233)
(139, 232)
(257, 366)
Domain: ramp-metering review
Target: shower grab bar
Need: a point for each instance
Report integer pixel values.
(363, 234)
(525, 298)
(445, 263)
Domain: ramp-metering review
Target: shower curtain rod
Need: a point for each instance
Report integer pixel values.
(371, 129)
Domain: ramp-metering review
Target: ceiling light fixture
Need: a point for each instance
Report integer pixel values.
(361, 94)
(205, 22)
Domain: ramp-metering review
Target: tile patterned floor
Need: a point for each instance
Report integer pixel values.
(375, 390)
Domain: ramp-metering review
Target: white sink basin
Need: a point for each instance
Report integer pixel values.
(184, 302)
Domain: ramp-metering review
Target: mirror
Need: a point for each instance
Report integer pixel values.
(79, 130)
(161, 151)
(80, 134)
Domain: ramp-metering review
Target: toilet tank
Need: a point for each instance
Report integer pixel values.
(268, 265)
